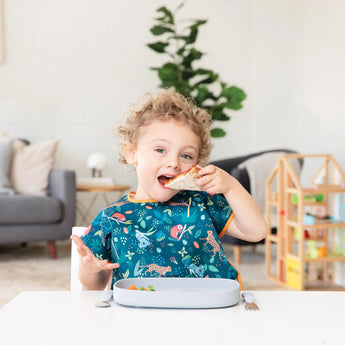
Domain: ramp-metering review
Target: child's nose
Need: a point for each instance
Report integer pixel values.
(173, 162)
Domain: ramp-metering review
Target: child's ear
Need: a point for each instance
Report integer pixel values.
(130, 152)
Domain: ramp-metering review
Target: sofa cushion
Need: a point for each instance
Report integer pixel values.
(241, 175)
(27, 209)
(5, 164)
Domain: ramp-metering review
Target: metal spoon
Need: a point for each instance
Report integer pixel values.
(105, 299)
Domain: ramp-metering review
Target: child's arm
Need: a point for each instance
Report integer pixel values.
(248, 223)
(94, 274)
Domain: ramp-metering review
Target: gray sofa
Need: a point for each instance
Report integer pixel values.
(26, 218)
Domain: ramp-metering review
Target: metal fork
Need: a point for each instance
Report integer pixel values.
(249, 300)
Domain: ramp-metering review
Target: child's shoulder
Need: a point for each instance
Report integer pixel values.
(118, 204)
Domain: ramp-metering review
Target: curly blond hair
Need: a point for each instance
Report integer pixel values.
(166, 105)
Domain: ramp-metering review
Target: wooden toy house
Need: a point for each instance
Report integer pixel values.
(307, 225)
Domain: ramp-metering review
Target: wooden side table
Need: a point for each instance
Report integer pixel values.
(97, 191)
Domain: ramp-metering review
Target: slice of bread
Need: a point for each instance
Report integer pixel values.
(185, 181)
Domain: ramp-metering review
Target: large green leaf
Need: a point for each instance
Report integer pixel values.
(158, 47)
(183, 87)
(192, 56)
(211, 79)
(234, 93)
(218, 114)
(158, 30)
(202, 71)
(234, 105)
(203, 94)
(168, 16)
(217, 133)
(188, 73)
(169, 74)
(199, 22)
(192, 36)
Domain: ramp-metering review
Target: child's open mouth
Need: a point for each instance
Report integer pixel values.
(163, 179)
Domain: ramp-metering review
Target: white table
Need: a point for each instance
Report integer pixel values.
(64, 317)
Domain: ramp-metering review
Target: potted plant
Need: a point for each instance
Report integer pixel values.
(177, 42)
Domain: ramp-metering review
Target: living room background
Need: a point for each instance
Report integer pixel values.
(72, 66)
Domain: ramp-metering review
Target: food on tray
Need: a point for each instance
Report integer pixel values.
(185, 181)
(141, 288)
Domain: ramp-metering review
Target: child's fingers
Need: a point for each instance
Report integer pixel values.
(205, 182)
(89, 258)
(81, 247)
(208, 169)
(76, 239)
(209, 186)
(111, 266)
(100, 264)
(105, 264)
(91, 263)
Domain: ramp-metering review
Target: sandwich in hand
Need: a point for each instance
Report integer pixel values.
(185, 181)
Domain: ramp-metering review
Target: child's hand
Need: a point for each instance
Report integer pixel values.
(214, 180)
(248, 223)
(88, 262)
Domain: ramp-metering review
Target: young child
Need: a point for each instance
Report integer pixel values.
(161, 232)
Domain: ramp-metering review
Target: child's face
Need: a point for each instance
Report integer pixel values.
(163, 149)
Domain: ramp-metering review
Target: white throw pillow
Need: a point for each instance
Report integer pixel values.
(31, 165)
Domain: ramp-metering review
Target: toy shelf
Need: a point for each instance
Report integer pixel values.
(323, 225)
(333, 257)
(307, 222)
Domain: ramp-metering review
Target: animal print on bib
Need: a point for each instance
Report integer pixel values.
(177, 238)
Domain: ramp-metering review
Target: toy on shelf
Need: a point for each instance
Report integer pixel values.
(316, 249)
(310, 222)
(310, 219)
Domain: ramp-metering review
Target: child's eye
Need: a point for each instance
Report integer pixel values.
(160, 150)
(187, 156)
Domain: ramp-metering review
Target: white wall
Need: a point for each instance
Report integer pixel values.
(298, 75)
(73, 65)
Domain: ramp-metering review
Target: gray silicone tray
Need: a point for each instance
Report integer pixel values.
(178, 292)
